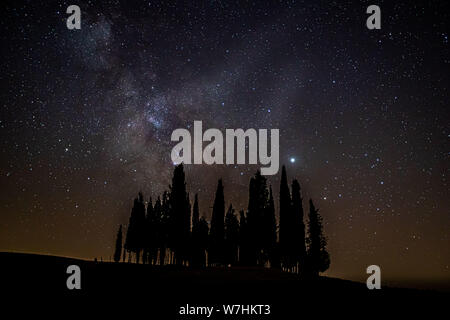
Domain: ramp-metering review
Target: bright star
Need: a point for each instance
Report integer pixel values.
(292, 159)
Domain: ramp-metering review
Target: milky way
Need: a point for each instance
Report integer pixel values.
(363, 114)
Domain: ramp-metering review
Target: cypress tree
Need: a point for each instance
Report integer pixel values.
(231, 237)
(299, 249)
(195, 212)
(140, 224)
(258, 203)
(166, 228)
(151, 233)
(270, 228)
(318, 258)
(203, 236)
(217, 227)
(159, 230)
(285, 236)
(180, 216)
(118, 250)
(244, 256)
(186, 245)
(196, 246)
(136, 228)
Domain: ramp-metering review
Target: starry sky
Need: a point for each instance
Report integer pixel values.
(87, 116)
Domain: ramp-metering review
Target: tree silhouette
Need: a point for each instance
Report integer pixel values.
(180, 216)
(151, 236)
(187, 231)
(244, 242)
(298, 242)
(165, 226)
(318, 259)
(270, 231)
(158, 229)
(197, 247)
(285, 233)
(231, 237)
(258, 202)
(195, 212)
(136, 228)
(217, 227)
(118, 250)
(203, 236)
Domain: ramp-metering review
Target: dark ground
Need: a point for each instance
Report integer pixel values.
(163, 290)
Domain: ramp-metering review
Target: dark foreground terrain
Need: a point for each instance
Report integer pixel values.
(165, 290)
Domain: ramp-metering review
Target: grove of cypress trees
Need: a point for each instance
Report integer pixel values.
(166, 233)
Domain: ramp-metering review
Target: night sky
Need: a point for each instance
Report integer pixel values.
(87, 116)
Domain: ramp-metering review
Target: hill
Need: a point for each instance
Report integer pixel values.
(167, 289)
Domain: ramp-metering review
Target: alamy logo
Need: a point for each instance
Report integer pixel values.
(74, 280)
(374, 280)
(213, 153)
(74, 20)
(374, 20)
